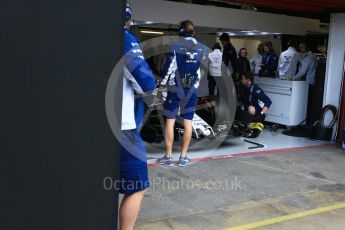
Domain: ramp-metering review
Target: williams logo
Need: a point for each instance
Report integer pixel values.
(191, 55)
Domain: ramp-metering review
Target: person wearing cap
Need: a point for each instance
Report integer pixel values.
(137, 79)
(214, 68)
(181, 75)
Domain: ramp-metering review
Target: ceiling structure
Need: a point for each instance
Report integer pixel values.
(314, 6)
(169, 28)
(318, 9)
(248, 21)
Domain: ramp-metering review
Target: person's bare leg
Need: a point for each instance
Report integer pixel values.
(251, 110)
(129, 210)
(169, 136)
(186, 136)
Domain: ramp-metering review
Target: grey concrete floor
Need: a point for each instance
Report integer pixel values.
(224, 193)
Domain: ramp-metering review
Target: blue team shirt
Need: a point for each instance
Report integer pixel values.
(184, 59)
(141, 76)
(250, 96)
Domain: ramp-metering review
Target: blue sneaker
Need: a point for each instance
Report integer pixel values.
(184, 161)
(167, 161)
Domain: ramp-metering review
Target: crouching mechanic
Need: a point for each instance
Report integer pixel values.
(181, 75)
(138, 79)
(250, 96)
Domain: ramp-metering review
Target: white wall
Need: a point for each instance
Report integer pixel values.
(160, 11)
(335, 61)
(250, 44)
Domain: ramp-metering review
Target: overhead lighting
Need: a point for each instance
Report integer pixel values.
(229, 33)
(151, 32)
(148, 22)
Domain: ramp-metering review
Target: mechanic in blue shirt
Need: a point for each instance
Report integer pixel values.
(269, 61)
(251, 95)
(137, 79)
(181, 75)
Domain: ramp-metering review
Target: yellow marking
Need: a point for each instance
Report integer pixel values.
(280, 219)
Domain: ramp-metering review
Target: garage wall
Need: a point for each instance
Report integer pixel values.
(56, 144)
(335, 61)
(218, 17)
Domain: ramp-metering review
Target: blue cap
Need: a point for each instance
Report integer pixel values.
(129, 12)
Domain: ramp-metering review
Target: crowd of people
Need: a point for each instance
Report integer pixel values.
(181, 74)
(296, 63)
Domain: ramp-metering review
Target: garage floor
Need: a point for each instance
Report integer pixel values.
(294, 183)
(226, 147)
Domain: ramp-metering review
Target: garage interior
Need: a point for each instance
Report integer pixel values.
(58, 147)
(287, 183)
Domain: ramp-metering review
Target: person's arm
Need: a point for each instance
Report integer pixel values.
(264, 98)
(252, 63)
(233, 60)
(303, 71)
(137, 71)
(247, 68)
(279, 62)
(209, 62)
(203, 62)
(169, 68)
(272, 63)
(226, 57)
(196, 84)
(264, 110)
(263, 65)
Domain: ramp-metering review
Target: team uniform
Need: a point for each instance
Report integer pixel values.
(254, 96)
(288, 61)
(270, 63)
(182, 75)
(138, 79)
(214, 70)
(308, 68)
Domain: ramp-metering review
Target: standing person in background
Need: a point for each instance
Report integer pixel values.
(288, 61)
(229, 56)
(308, 65)
(269, 61)
(307, 71)
(214, 68)
(243, 64)
(181, 75)
(256, 60)
(138, 79)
